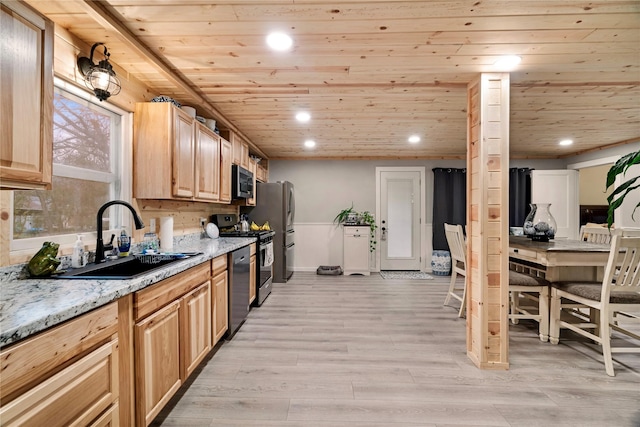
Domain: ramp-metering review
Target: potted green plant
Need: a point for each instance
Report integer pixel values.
(352, 217)
(616, 198)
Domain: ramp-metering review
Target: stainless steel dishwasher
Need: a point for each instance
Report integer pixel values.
(239, 279)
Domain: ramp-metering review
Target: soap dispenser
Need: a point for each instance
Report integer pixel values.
(77, 257)
(124, 243)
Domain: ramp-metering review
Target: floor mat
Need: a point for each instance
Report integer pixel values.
(405, 275)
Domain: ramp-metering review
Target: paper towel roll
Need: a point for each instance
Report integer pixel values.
(166, 233)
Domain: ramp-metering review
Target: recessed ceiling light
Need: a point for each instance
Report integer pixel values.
(508, 62)
(414, 139)
(566, 142)
(309, 143)
(279, 41)
(303, 116)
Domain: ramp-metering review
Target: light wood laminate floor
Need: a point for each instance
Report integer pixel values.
(365, 351)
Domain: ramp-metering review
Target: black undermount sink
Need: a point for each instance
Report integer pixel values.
(124, 268)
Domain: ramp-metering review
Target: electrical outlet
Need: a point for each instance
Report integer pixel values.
(203, 221)
(152, 225)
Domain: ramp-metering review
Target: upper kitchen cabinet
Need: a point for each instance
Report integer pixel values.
(26, 95)
(240, 149)
(207, 164)
(262, 171)
(225, 171)
(175, 157)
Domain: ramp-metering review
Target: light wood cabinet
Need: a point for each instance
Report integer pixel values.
(67, 375)
(176, 157)
(252, 273)
(225, 171)
(196, 327)
(172, 335)
(356, 249)
(26, 96)
(262, 173)
(220, 285)
(157, 342)
(184, 154)
(208, 171)
(240, 150)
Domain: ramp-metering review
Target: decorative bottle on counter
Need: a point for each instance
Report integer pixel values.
(77, 257)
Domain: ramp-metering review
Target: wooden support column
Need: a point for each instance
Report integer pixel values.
(488, 220)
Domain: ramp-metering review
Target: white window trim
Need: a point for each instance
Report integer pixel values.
(29, 246)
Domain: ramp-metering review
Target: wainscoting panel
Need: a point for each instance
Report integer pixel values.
(320, 243)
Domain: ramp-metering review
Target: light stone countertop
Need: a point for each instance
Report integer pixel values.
(32, 305)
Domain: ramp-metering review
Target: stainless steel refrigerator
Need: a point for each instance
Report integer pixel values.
(275, 203)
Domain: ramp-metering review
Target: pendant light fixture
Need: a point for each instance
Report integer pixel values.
(100, 78)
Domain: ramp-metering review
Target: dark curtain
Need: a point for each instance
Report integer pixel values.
(519, 195)
(449, 202)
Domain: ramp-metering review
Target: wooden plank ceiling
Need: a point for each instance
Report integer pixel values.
(371, 73)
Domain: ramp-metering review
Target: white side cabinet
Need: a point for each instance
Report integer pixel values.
(356, 249)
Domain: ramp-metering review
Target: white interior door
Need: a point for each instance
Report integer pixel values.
(399, 225)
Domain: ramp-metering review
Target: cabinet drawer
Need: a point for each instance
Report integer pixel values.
(35, 359)
(525, 254)
(77, 395)
(162, 293)
(356, 231)
(218, 265)
(111, 418)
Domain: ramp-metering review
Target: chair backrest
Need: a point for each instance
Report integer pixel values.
(622, 273)
(455, 239)
(595, 234)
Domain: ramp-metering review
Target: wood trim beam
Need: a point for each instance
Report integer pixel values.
(107, 17)
(606, 147)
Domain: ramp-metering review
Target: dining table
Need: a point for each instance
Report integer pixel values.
(559, 259)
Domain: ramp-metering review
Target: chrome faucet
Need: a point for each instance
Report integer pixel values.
(99, 242)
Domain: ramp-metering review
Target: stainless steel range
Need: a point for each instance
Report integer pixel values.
(264, 253)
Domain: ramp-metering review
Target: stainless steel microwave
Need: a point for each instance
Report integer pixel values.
(241, 183)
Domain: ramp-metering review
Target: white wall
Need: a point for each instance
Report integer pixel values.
(324, 187)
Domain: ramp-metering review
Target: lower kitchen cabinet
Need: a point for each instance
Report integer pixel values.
(220, 285)
(172, 334)
(157, 343)
(196, 327)
(356, 249)
(67, 375)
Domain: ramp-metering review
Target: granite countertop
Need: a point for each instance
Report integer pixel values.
(32, 305)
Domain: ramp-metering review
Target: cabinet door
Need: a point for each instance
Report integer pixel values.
(225, 171)
(356, 250)
(26, 96)
(183, 174)
(244, 155)
(208, 164)
(252, 279)
(77, 395)
(221, 319)
(560, 189)
(195, 328)
(157, 361)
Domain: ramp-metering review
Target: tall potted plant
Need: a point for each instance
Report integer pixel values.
(616, 198)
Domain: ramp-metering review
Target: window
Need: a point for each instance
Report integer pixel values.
(88, 159)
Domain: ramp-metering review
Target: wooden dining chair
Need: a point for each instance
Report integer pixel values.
(619, 291)
(595, 234)
(525, 289)
(458, 250)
